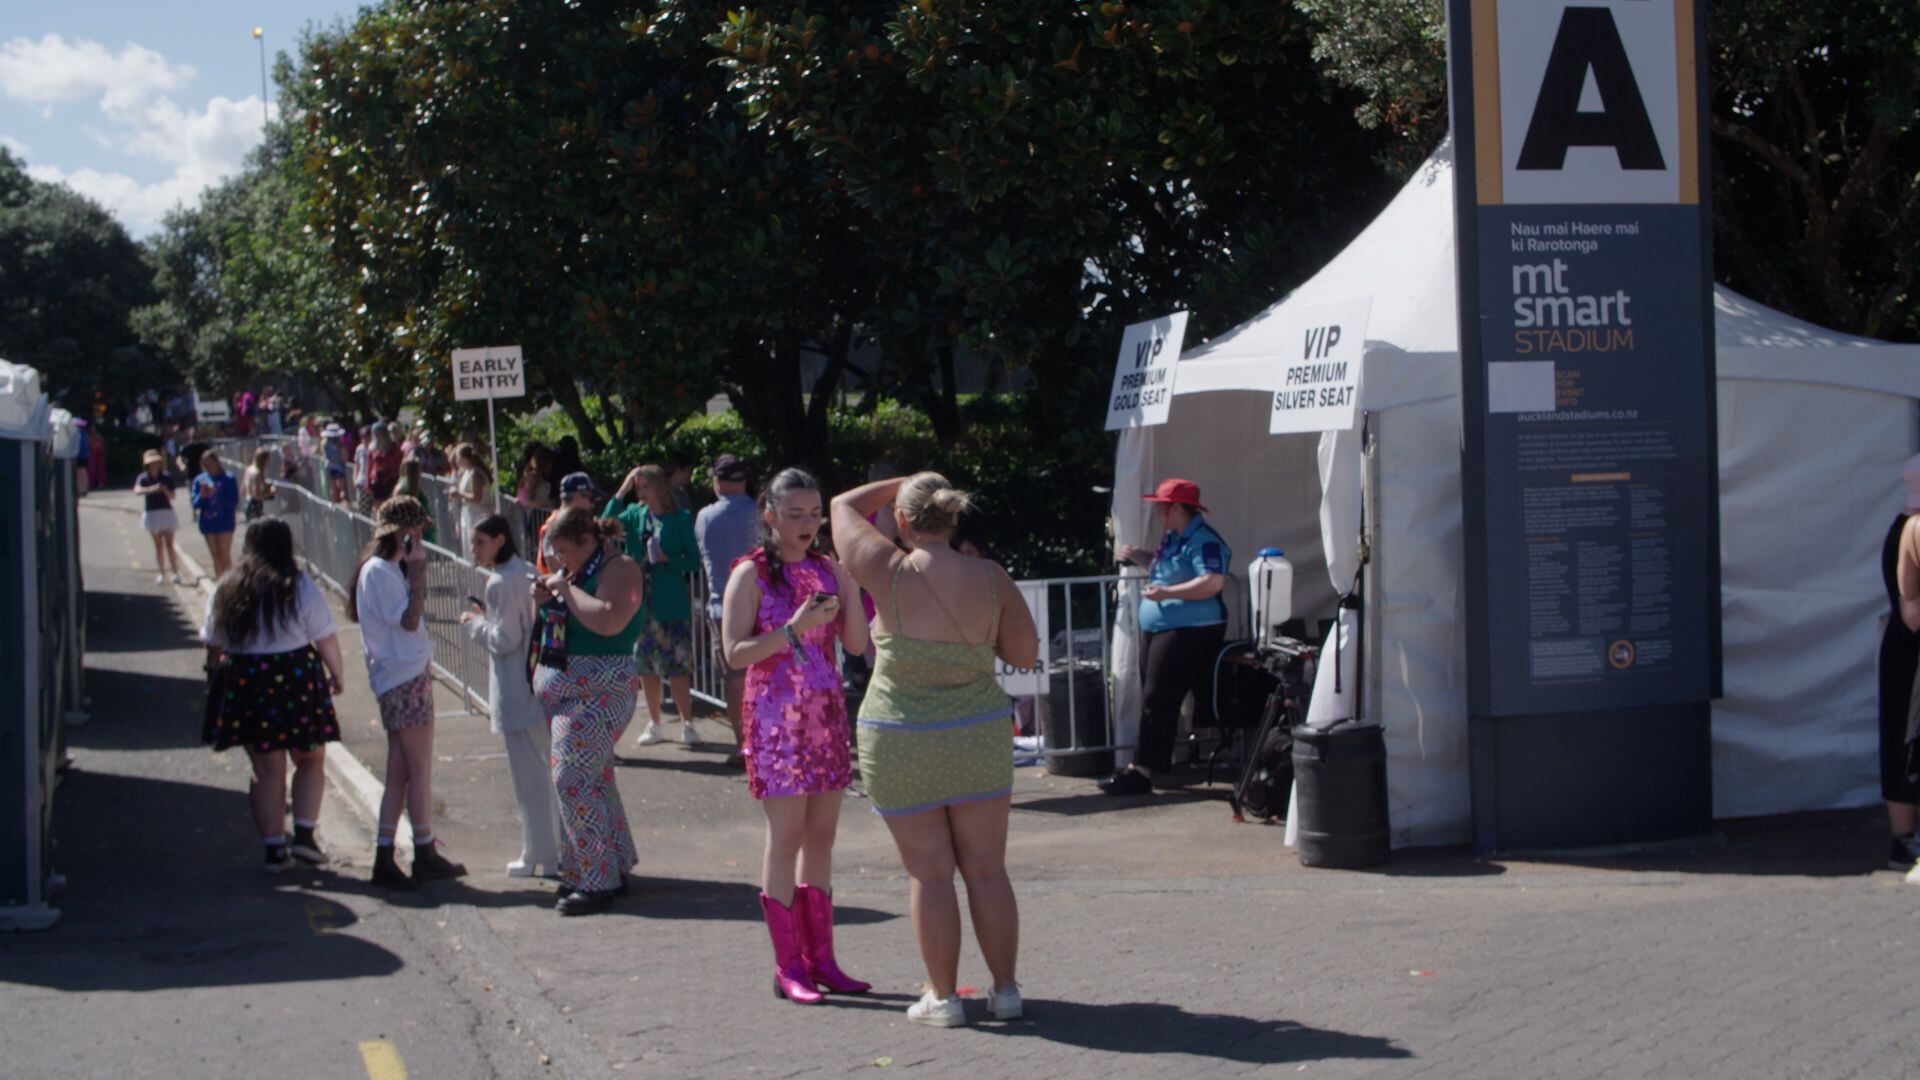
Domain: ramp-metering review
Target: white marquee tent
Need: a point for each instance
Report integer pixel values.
(1814, 428)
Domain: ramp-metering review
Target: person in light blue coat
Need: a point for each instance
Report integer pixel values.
(503, 625)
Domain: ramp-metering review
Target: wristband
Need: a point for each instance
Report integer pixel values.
(793, 639)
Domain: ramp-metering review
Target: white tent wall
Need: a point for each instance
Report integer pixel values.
(1814, 427)
(1415, 672)
(1810, 481)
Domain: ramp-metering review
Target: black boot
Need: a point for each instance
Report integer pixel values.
(387, 872)
(430, 865)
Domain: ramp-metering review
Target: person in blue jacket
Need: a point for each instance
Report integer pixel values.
(216, 500)
(1183, 623)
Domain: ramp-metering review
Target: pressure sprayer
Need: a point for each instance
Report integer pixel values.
(1270, 577)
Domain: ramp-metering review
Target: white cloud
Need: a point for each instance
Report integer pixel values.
(218, 136)
(189, 149)
(18, 148)
(54, 70)
(202, 148)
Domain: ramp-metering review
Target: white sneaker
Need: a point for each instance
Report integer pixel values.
(651, 735)
(1004, 1002)
(938, 1012)
(179, 578)
(160, 579)
(688, 736)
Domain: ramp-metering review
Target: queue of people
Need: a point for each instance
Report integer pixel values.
(570, 644)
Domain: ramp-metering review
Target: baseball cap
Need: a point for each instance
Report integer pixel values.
(1184, 492)
(728, 467)
(577, 484)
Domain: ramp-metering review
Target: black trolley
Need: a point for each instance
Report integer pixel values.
(1260, 793)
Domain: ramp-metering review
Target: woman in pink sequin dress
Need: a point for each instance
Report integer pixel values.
(782, 617)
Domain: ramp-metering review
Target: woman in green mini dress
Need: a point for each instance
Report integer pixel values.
(935, 729)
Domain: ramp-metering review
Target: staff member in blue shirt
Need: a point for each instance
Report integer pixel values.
(216, 497)
(1183, 620)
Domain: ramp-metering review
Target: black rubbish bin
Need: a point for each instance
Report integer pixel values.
(1340, 785)
(1081, 723)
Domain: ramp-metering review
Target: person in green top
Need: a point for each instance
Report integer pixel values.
(660, 538)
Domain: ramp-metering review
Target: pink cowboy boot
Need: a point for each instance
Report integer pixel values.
(814, 911)
(789, 974)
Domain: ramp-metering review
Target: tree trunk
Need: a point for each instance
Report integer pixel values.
(945, 413)
(568, 395)
(827, 387)
(768, 394)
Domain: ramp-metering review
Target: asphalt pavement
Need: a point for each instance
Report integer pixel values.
(1158, 938)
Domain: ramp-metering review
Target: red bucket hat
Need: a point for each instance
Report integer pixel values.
(1184, 492)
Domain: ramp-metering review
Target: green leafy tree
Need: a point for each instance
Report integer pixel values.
(1041, 172)
(574, 178)
(192, 323)
(70, 279)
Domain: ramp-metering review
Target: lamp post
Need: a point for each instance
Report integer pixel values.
(260, 36)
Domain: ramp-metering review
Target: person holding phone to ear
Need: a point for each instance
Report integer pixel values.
(786, 609)
(388, 600)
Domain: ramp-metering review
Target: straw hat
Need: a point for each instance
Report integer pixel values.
(152, 457)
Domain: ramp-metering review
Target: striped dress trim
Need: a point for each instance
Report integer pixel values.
(884, 724)
(956, 800)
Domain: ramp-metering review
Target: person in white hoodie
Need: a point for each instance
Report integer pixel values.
(502, 623)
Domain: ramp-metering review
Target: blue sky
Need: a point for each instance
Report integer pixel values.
(141, 105)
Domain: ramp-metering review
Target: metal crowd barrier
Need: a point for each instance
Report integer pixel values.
(1076, 715)
(1076, 710)
(330, 537)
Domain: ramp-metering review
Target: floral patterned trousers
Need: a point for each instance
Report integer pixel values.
(590, 704)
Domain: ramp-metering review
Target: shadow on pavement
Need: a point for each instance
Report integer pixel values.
(680, 898)
(120, 623)
(1151, 1028)
(695, 766)
(1437, 862)
(136, 711)
(164, 892)
(1094, 802)
(1824, 843)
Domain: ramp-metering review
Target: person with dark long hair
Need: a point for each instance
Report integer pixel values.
(786, 610)
(935, 726)
(503, 625)
(388, 599)
(588, 622)
(274, 667)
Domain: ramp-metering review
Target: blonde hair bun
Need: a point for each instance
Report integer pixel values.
(931, 504)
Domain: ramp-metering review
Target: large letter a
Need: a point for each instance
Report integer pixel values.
(1588, 40)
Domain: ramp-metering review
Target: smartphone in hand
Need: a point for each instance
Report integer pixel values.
(474, 602)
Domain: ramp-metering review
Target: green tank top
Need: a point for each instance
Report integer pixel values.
(584, 642)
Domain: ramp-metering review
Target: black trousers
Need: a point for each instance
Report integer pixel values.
(1176, 663)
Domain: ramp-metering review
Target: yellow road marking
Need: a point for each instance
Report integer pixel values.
(383, 1061)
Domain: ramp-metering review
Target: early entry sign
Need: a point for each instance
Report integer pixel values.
(494, 372)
